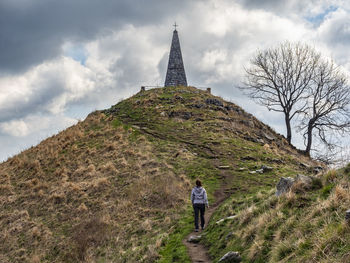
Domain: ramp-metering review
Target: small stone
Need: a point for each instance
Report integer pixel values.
(347, 215)
(227, 218)
(224, 167)
(220, 221)
(231, 257)
(229, 235)
(260, 171)
(252, 172)
(163, 114)
(194, 239)
(266, 168)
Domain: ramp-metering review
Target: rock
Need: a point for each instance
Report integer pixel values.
(215, 102)
(227, 218)
(248, 158)
(231, 257)
(284, 185)
(194, 239)
(181, 114)
(136, 127)
(306, 180)
(304, 165)
(266, 168)
(220, 221)
(347, 215)
(269, 137)
(198, 105)
(260, 171)
(224, 167)
(163, 114)
(229, 235)
(241, 169)
(248, 123)
(317, 169)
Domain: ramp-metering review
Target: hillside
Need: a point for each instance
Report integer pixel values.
(115, 187)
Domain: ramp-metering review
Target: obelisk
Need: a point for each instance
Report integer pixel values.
(175, 75)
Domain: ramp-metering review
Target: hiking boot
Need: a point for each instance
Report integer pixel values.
(196, 230)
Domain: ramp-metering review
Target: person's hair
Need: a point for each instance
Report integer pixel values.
(198, 183)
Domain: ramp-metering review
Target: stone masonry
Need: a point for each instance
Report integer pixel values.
(175, 75)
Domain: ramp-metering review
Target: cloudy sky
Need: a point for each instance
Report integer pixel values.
(60, 60)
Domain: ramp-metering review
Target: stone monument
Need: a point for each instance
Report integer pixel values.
(175, 75)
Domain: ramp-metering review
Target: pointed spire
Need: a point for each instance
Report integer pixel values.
(175, 75)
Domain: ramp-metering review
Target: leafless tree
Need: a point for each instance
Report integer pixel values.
(278, 77)
(328, 105)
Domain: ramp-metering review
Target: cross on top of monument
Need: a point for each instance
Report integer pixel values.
(175, 25)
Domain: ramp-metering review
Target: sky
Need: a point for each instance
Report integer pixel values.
(61, 60)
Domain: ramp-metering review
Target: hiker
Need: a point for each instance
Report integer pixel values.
(199, 201)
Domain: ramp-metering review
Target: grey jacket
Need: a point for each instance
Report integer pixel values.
(199, 196)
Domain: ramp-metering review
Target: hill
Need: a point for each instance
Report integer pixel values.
(115, 187)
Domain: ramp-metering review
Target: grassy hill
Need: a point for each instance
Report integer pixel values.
(115, 187)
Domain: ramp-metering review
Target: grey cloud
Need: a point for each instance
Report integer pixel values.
(33, 31)
(37, 102)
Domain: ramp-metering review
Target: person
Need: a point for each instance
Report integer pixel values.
(199, 201)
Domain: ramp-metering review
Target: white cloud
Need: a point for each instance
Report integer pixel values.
(16, 128)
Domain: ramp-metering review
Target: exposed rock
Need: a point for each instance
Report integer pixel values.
(284, 185)
(163, 114)
(248, 123)
(269, 136)
(229, 235)
(260, 171)
(194, 239)
(227, 218)
(347, 215)
(306, 180)
(266, 168)
(215, 102)
(224, 167)
(317, 169)
(181, 114)
(197, 105)
(248, 158)
(231, 257)
(304, 165)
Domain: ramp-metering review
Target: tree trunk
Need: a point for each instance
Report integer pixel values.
(289, 129)
(309, 137)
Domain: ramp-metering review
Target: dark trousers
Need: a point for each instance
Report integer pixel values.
(199, 208)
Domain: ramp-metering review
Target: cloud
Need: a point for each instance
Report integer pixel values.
(60, 60)
(33, 32)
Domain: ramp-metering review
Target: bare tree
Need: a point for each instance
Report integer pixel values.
(278, 77)
(328, 100)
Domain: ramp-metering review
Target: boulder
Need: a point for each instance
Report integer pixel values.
(231, 257)
(284, 185)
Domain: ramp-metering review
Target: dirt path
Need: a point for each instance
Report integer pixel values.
(198, 252)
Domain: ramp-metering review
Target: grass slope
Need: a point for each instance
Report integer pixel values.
(305, 225)
(115, 187)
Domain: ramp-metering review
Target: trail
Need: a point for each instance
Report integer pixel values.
(198, 252)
